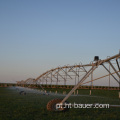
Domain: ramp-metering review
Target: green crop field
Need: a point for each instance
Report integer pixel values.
(32, 106)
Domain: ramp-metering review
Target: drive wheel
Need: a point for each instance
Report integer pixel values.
(52, 105)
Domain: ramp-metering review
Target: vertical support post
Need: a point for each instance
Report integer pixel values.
(109, 77)
(57, 78)
(51, 79)
(64, 79)
(46, 81)
(90, 92)
(75, 79)
(78, 75)
(119, 78)
(77, 92)
(65, 75)
(75, 76)
(91, 80)
(64, 82)
(119, 94)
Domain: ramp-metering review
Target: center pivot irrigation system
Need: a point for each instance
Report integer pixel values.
(81, 74)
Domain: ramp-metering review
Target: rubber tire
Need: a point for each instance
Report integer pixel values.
(51, 106)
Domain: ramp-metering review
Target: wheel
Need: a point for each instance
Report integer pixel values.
(52, 105)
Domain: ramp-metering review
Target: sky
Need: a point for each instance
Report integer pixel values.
(37, 35)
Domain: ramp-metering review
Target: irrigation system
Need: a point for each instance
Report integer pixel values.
(80, 74)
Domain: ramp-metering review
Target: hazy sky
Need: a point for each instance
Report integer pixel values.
(37, 35)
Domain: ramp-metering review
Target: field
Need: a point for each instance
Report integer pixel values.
(32, 106)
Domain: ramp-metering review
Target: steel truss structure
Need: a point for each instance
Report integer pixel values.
(75, 74)
(78, 74)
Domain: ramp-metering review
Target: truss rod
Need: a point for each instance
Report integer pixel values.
(66, 73)
(113, 68)
(118, 64)
(61, 76)
(99, 78)
(110, 73)
(72, 68)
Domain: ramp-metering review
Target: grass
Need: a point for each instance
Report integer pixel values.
(31, 106)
